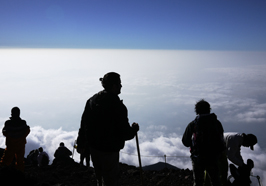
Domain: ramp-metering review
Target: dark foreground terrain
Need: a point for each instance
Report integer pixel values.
(74, 174)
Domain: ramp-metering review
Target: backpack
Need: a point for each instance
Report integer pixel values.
(45, 160)
(207, 138)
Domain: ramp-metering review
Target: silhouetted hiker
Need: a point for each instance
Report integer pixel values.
(204, 136)
(32, 157)
(82, 147)
(15, 130)
(62, 154)
(107, 128)
(43, 158)
(233, 142)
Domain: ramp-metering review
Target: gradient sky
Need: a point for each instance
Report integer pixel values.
(134, 24)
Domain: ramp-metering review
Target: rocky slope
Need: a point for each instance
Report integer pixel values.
(74, 175)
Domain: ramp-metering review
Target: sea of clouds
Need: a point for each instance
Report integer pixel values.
(160, 149)
(160, 89)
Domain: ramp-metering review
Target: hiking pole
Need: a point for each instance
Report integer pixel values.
(140, 167)
(260, 184)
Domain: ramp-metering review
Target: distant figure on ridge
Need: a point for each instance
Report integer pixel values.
(15, 130)
(32, 157)
(107, 128)
(43, 158)
(204, 136)
(62, 154)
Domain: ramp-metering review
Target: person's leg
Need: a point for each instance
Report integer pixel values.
(8, 156)
(223, 167)
(214, 173)
(20, 152)
(111, 169)
(207, 180)
(82, 158)
(95, 158)
(198, 171)
(88, 155)
(106, 166)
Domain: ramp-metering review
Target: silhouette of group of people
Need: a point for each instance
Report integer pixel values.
(16, 130)
(38, 157)
(105, 127)
(210, 147)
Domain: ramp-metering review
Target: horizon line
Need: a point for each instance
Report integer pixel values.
(132, 49)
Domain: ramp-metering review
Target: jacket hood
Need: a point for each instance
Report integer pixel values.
(209, 116)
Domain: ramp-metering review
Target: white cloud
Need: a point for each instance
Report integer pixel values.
(253, 113)
(153, 151)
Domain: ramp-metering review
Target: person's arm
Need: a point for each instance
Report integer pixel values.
(47, 156)
(187, 136)
(27, 131)
(81, 140)
(56, 153)
(85, 115)
(233, 151)
(128, 132)
(4, 130)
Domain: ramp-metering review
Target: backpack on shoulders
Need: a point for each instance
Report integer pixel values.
(207, 138)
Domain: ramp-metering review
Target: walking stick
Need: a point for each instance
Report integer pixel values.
(260, 184)
(140, 167)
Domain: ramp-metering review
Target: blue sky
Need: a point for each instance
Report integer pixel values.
(134, 24)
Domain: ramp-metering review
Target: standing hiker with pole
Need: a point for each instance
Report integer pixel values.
(107, 128)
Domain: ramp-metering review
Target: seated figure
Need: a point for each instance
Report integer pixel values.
(241, 174)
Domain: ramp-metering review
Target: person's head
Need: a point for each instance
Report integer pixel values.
(40, 149)
(62, 144)
(249, 140)
(111, 82)
(202, 107)
(15, 112)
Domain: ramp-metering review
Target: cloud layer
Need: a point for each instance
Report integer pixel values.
(160, 88)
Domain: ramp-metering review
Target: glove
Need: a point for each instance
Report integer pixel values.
(135, 126)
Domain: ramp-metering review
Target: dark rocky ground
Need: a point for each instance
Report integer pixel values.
(74, 174)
